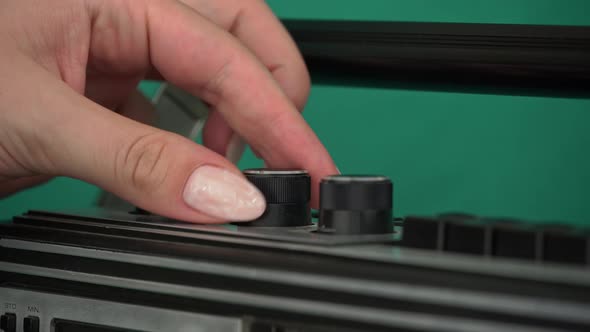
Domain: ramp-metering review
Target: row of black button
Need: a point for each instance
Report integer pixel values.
(498, 237)
(8, 323)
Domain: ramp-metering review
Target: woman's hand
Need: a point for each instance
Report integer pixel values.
(68, 104)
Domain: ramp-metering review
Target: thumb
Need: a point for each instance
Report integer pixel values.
(156, 170)
(169, 174)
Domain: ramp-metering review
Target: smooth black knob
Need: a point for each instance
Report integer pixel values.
(356, 204)
(287, 193)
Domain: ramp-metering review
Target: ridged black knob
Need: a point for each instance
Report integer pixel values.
(287, 193)
(356, 204)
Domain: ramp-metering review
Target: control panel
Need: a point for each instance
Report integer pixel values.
(46, 312)
(348, 266)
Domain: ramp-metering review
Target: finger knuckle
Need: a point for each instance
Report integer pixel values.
(144, 163)
(301, 95)
(215, 88)
(279, 123)
(295, 81)
(23, 155)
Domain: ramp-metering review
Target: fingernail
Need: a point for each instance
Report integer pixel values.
(223, 194)
(235, 149)
(338, 170)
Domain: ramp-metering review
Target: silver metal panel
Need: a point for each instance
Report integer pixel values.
(48, 307)
(491, 302)
(498, 266)
(392, 318)
(160, 225)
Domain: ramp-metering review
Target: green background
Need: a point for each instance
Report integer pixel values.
(524, 157)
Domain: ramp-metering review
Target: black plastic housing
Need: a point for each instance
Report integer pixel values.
(514, 59)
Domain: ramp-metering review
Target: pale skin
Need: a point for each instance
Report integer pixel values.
(69, 105)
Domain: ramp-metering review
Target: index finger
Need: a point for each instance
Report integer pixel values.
(256, 26)
(196, 55)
